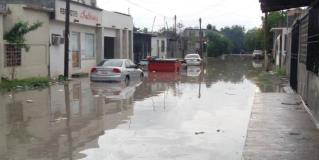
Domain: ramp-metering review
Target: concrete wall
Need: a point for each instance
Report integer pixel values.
(119, 26)
(117, 20)
(57, 52)
(1, 45)
(35, 62)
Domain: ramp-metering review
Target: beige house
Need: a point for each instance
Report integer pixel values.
(34, 63)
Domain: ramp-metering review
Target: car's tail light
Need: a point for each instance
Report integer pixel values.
(93, 70)
(116, 70)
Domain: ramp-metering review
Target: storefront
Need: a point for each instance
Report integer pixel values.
(84, 29)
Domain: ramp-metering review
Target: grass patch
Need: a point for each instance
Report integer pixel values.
(24, 84)
(280, 72)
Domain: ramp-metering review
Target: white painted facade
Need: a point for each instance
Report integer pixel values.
(118, 27)
(159, 47)
(84, 21)
(280, 45)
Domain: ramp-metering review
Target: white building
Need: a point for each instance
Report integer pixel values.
(85, 22)
(115, 39)
(159, 47)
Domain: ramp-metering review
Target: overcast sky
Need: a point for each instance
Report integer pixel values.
(216, 12)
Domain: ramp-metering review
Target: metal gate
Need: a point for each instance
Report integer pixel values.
(294, 57)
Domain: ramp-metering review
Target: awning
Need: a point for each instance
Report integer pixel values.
(275, 5)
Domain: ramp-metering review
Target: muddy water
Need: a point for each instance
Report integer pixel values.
(201, 113)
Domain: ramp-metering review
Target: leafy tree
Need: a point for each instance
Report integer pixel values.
(16, 37)
(236, 35)
(218, 44)
(211, 27)
(254, 39)
(16, 34)
(275, 19)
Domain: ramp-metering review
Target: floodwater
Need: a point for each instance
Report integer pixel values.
(202, 113)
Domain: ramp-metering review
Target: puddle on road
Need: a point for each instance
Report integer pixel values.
(198, 114)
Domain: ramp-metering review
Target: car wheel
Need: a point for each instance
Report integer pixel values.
(141, 76)
(127, 80)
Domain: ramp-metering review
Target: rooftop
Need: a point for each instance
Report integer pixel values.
(275, 5)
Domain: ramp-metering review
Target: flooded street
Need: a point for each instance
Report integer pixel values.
(202, 113)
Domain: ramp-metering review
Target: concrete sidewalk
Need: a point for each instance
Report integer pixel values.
(280, 129)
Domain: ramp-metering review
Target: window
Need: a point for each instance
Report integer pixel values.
(89, 45)
(163, 46)
(13, 55)
(313, 41)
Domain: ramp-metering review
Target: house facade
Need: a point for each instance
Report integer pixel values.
(280, 40)
(32, 63)
(85, 23)
(95, 35)
(303, 51)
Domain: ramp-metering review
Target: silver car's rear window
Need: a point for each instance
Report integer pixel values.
(111, 63)
(192, 56)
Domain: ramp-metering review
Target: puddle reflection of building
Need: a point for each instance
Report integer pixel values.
(47, 128)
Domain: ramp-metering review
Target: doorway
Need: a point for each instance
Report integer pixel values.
(109, 47)
(75, 48)
(294, 57)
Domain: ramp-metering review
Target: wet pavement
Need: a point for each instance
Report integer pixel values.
(281, 128)
(202, 113)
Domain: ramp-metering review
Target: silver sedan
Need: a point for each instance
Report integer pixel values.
(116, 70)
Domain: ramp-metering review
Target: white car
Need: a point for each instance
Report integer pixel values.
(258, 54)
(193, 60)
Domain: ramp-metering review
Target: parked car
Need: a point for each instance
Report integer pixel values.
(258, 54)
(116, 70)
(193, 60)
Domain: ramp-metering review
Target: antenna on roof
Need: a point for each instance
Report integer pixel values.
(153, 23)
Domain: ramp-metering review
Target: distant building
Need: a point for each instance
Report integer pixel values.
(192, 38)
(159, 46)
(142, 46)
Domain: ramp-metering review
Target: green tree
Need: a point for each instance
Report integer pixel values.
(16, 37)
(254, 39)
(275, 19)
(218, 44)
(236, 35)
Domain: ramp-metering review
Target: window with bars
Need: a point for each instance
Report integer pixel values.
(12, 55)
(313, 41)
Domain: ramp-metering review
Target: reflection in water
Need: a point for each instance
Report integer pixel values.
(154, 119)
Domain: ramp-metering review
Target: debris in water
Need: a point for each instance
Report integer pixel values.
(29, 101)
(294, 134)
(292, 104)
(198, 133)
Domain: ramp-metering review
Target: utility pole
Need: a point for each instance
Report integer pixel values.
(200, 38)
(175, 26)
(67, 40)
